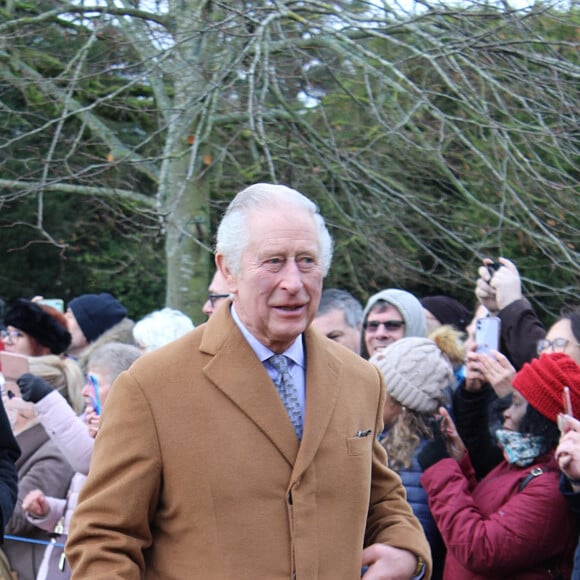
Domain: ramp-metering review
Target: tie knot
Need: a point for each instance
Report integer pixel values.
(279, 362)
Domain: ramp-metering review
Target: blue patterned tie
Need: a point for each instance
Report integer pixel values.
(287, 391)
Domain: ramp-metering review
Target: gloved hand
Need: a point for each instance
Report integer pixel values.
(434, 450)
(33, 388)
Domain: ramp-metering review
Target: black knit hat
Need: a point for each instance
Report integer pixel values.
(447, 310)
(30, 318)
(97, 313)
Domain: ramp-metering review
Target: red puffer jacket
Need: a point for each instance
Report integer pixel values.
(494, 530)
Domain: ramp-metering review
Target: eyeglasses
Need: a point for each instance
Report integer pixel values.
(372, 326)
(213, 297)
(557, 345)
(8, 336)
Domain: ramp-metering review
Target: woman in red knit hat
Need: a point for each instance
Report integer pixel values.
(514, 523)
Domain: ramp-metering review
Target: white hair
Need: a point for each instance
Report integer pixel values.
(161, 327)
(233, 235)
(112, 358)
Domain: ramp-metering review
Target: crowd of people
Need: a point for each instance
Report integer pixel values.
(297, 433)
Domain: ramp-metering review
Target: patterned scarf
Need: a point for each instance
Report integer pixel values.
(519, 448)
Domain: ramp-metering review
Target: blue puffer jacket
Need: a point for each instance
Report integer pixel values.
(417, 498)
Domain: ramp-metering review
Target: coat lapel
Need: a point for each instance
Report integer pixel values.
(235, 369)
(323, 384)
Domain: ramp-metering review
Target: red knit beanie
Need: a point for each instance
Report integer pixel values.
(541, 383)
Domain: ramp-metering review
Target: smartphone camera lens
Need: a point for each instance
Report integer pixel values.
(493, 268)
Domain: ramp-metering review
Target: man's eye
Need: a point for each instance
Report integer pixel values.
(274, 264)
(306, 262)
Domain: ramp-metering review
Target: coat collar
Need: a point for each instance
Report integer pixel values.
(236, 371)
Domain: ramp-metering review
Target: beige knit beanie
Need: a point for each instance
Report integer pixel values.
(416, 373)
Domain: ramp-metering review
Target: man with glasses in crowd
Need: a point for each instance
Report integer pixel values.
(390, 315)
(217, 293)
(339, 317)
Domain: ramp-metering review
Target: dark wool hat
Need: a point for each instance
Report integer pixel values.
(35, 321)
(541, 383)
(447, 310)
(97, 313)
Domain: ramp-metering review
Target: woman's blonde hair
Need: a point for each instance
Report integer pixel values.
(63, 374)
(404, 437)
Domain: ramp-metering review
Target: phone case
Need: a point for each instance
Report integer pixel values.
(487, 333)
(13, 366)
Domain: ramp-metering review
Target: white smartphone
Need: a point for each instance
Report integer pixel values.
(13, 367)
(487, 334)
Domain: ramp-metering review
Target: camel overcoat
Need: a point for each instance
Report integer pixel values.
(197, 472)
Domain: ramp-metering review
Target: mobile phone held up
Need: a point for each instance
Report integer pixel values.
(492, 268)
(57, 303)
(487, 334)
(95, 395)
(568, 414)
(13, 367)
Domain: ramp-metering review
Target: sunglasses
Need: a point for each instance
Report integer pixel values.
(373, 325)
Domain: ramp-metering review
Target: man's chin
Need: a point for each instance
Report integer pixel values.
(378, 348)
(288, 332)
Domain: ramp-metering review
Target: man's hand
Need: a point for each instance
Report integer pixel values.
(35, 503)
(388, 563)
(484, 292)
(507, 284)
(500, 290)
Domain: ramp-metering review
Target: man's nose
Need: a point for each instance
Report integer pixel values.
(383, 331)
(292, 276)
(207, 308)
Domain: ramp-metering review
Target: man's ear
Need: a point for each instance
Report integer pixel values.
(222, 266)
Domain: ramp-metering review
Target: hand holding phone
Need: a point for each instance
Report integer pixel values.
(94, 393)
(492, 268)
(487, 334)
(565, 419)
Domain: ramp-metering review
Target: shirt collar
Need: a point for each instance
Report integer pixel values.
(295, 352)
